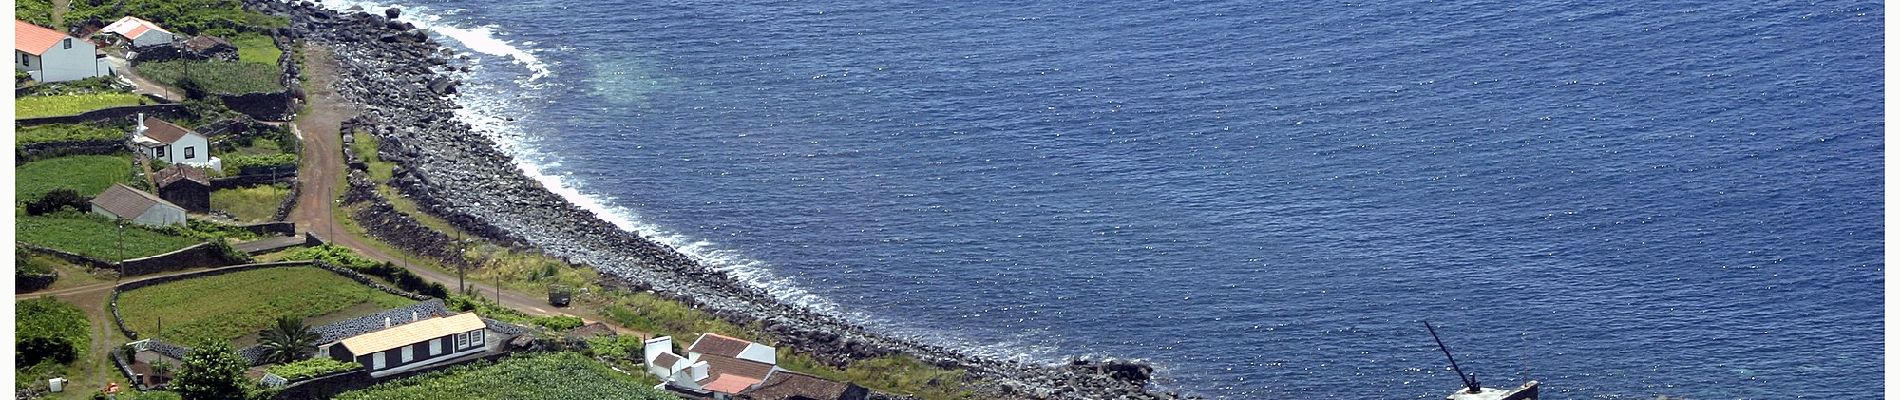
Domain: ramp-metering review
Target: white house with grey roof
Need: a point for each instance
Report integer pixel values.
(124, 202)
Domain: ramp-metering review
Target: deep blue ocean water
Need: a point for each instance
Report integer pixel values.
(1621, 200)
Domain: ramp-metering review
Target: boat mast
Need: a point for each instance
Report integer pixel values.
(1471, 381)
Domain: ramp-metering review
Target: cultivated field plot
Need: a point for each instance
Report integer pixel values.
(251, 204)
(87, 175)
(548, 376)
(94, 236)
(71, 104)
(229, 306)
(69, 133)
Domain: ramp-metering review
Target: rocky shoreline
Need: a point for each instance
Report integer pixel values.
(401, 78)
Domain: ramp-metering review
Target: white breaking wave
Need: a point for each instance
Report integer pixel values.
(483, 105)
(479, 39)
(482, 113)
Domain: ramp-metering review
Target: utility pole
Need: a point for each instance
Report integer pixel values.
(461, 273)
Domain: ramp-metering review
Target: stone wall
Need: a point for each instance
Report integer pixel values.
(269, 176)
(41, 151)
(68, 256)
(199, 255)
(271, 106)
(25, 283)
(279, 228)
(169, 111)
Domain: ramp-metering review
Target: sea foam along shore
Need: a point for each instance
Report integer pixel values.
(396, 74)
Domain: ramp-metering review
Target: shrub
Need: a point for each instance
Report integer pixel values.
(212, 371)
(57, 200)
(49, 330)
(310, 368)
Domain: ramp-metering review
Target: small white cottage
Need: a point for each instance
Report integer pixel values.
(417, 344)
(168, 142)
(50, 56)
(124, 202)
(140, 33)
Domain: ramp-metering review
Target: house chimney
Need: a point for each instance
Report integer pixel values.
(413, 317)
(141, 129)
(386, 322)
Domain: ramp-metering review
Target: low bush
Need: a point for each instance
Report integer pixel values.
(489, 309)
(49, 330)
(310, 368)
(61, 199)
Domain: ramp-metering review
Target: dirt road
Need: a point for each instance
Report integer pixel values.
(322, 173)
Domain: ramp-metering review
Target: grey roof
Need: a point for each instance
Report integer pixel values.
(125, 202)
(352, 327)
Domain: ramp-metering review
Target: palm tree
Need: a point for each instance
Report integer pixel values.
(287, 341)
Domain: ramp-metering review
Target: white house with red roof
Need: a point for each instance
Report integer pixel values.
(50, 56)
(716, 365)
(140, 33)
(168, 142)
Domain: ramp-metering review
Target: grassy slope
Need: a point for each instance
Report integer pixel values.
(532, 377)
(94, 236)
(53, 106)
(88, 175)
(229, 306)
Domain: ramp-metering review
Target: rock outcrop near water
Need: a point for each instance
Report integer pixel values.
(400, 78)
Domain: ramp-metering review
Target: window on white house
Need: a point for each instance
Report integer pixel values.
(475, 337)
(158, 152)
(435, 346)
(408, 354)
(69, 43)
(461, 340)
(26, 60)
(189, 153)
(376, 361)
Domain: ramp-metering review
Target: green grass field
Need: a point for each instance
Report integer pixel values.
(256, 48)
(67, 133)
(94, 236)
(254, 204)
(53, 106)
(225, 77)
(229, 306)
(87, 175)
(529, 377)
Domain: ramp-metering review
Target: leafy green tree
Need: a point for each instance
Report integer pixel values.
(289, 340)
(212, 371)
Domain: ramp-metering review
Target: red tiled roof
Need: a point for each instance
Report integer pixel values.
(785, 385)
(125, 202)
(717, 366)
(132, 27)
(731, 384)
(666, 360)
(181, 172)
(717, 344)
(34, 39)
(164, 132)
